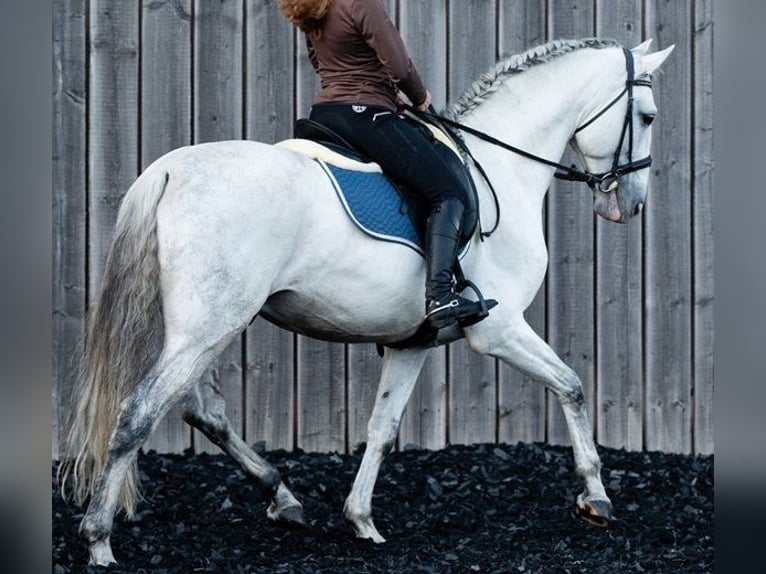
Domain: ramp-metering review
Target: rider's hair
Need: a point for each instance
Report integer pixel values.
(308, 15)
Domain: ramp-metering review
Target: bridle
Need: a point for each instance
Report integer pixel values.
(605, 182)
(613, 176)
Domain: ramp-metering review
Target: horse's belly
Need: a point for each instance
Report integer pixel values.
(344, 321)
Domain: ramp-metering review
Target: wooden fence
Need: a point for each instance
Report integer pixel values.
(628, 307)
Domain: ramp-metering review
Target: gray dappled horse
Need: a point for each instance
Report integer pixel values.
(211, 235)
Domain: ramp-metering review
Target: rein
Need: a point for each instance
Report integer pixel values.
(605, 182)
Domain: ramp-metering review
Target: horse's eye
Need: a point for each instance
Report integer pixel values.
(647, 119)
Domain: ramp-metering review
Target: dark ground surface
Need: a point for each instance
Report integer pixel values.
(483, 508)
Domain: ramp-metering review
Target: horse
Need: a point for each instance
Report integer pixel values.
(211, 235)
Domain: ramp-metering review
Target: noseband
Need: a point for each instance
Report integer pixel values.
(609, 180)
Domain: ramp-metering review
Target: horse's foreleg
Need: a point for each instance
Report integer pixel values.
(205, 410)
(523, 349)
(165, 382)
(398, 377)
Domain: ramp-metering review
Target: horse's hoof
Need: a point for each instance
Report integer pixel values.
(597, 512)
(290, 517)
(101, 554)
(366, 530)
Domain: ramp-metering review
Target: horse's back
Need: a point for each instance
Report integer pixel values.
(238, 174)
(232, 159)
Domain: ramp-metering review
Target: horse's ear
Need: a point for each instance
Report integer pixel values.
(650, 62)
(642, 49)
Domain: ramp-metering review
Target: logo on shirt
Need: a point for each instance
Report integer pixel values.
(358, 109)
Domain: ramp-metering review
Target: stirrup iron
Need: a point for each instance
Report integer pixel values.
(484, 304)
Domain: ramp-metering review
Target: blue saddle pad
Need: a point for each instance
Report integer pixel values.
(374, 205)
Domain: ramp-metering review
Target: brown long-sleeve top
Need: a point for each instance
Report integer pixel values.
(361, 58)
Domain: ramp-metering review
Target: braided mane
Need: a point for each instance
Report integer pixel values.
(491, 80)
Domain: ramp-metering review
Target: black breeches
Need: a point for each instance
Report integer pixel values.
(406, 151)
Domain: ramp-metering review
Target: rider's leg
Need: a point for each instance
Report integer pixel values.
(443, 306)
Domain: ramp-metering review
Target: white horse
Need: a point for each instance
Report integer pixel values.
(211, 235)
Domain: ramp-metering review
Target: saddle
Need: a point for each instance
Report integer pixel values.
(346, 165)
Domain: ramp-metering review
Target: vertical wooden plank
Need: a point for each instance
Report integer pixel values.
(270, 377)
(423, 26)
(112, 121)
(269, 368)
(69, 203)
(703, 202)
(364, 366)
(619, 348)
(472, 379)
(218, 116)
(269, 70)
(306, 79)
(521, 25)
(668, 238)
(521, 400)
(424, 424)
(165, 78)
(321, 396)
(166, 125)
(472, 43)
(571, 247)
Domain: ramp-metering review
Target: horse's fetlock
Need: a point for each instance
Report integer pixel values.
(93, 529)
(355, 515)
(588, 469)
(381, 434)
(269, 482)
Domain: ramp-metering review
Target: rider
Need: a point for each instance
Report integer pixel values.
(363, 66)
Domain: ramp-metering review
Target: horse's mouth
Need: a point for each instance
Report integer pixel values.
(607, 206)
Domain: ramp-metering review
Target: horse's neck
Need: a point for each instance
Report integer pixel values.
(538, 111)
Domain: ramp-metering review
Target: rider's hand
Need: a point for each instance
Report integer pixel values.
(422, 107)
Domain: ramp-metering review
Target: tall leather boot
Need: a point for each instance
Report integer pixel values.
(443, 306)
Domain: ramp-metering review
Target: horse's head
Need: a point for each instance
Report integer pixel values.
(615, 141)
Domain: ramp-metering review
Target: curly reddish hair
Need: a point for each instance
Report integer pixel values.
(308, 15)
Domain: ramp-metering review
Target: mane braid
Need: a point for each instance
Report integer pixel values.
(491, 80)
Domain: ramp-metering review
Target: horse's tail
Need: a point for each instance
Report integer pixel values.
(123, 337)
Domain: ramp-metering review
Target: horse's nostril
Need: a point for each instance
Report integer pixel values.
(639, 207)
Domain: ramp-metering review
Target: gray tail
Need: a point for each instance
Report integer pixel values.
(123, 337)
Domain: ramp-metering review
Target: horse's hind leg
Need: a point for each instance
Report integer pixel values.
(521, 347)
(169, 379)
(398, 377)
(205, 410)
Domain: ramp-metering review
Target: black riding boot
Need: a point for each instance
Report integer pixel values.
(443, 306)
